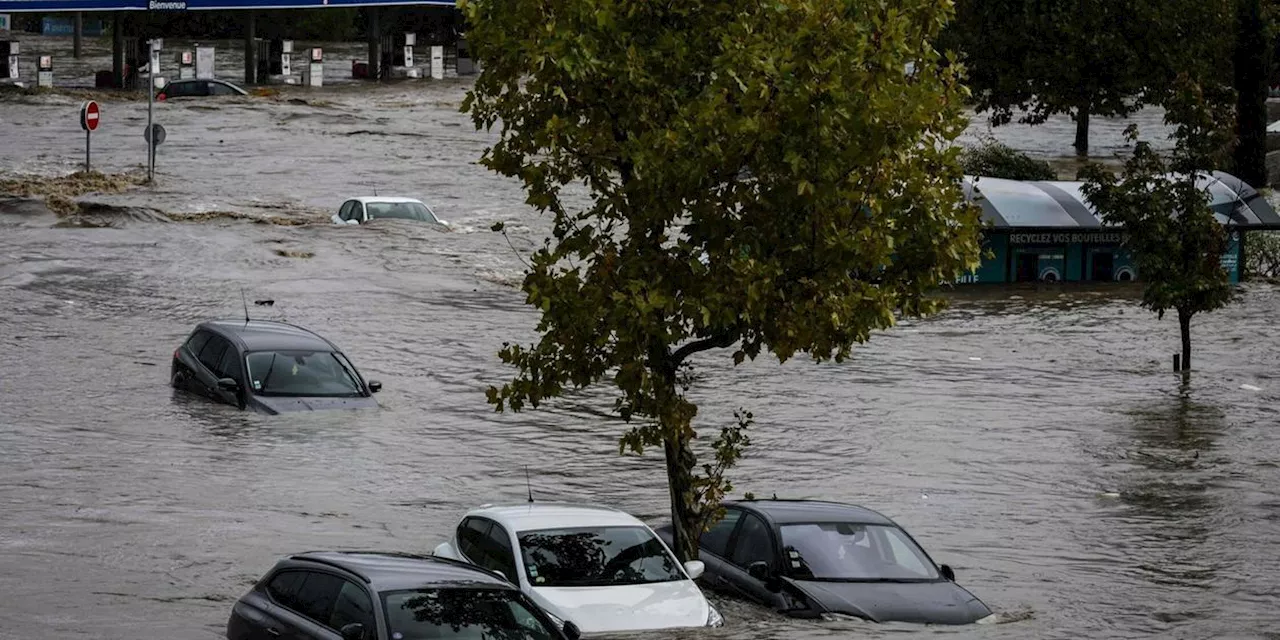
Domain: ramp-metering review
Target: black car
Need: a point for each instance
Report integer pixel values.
(367, 595)
(199, 89)
(807, 557)
(270, 367)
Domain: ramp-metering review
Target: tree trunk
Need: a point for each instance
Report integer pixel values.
(1082, 131)
(1251, 60)
(684, 527)
(1184, 325)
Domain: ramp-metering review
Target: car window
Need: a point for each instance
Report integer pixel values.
(470, 534)
(596, 557)
(716, 539)
(178, 89)
(317, 596)
(357, 211)
(197, 341)
(470, 614)
(345, 212)
(302, 374)
(353, 605)
(753, 543)
(219, 89)
(229, 367)
(283, 588)
(400, 210)
(211, 354)
(500, 556)
(854, 551)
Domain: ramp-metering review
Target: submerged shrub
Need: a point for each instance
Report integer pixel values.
(992, 159)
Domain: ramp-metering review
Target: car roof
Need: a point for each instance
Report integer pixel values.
(213, 80)
(263, 335)
(797, 511)
(554, 515)
(387, 200)
(391, 571)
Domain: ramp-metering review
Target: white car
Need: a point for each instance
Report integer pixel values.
(600, 568)
(362, 210)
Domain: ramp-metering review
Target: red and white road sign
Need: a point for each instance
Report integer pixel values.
(89, 116)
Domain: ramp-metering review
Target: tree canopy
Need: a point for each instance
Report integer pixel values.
(761, 175)
(1084, 57)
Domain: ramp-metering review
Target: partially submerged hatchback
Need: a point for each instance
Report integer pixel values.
(270, 367)
(599, 568)
(370, 208)
(807, 558)
(370, 595)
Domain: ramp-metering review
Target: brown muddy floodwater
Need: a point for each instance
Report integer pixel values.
(1033, 439)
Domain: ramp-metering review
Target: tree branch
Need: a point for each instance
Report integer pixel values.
(718, 341)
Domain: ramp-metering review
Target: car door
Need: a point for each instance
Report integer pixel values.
(713, 549)
(753, 541)
(186, 363)
(231, 366)
(309, 610)
(210, 358)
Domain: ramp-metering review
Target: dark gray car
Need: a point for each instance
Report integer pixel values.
(270, 367)
(807, 557)
(369, 595)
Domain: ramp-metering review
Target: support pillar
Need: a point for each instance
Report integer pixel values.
(77, 35)
(117, 48)
(250, 50)
(375, 43)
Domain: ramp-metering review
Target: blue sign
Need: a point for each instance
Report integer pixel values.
(20, 6)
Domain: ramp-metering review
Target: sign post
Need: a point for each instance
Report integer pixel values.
(154, 48)
(89, 116)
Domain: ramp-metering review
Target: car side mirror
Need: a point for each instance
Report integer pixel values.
(228, 384)
(353, 631)
(375, 386)
(947, 572)
(758, 570)
(695, 569)
(571, 630)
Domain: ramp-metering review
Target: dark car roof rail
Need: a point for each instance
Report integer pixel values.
(330, 562)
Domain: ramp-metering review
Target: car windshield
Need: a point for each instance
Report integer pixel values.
(420, 614)
(402, 210)
(595, 557)
(302, 373)
(852, 551)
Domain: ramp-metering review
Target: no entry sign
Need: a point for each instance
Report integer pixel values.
(89, 116)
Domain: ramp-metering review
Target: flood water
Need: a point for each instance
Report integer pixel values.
(1033, 439)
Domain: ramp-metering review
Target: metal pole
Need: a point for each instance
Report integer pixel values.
(151, 139)
(78, 35)
(87, 135)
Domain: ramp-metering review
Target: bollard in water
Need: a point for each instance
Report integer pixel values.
(1177, 362)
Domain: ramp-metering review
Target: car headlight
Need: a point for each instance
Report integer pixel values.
(714, 619)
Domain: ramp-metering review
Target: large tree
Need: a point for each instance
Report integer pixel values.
(762, 175)
(1252, 62)
(1034, 59)
(1163, 206)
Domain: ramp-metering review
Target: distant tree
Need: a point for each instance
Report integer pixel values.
(1081, 57)
(994, 159)
(1171, 232)
(759, 175)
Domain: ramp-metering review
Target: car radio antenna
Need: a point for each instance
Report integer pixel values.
(245, 301)
(527, 484)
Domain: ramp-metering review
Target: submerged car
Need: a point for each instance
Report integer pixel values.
(807, 558)
(367, 595)
(270, 367)
(199, 89)
(599, 568)
(362, 210)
